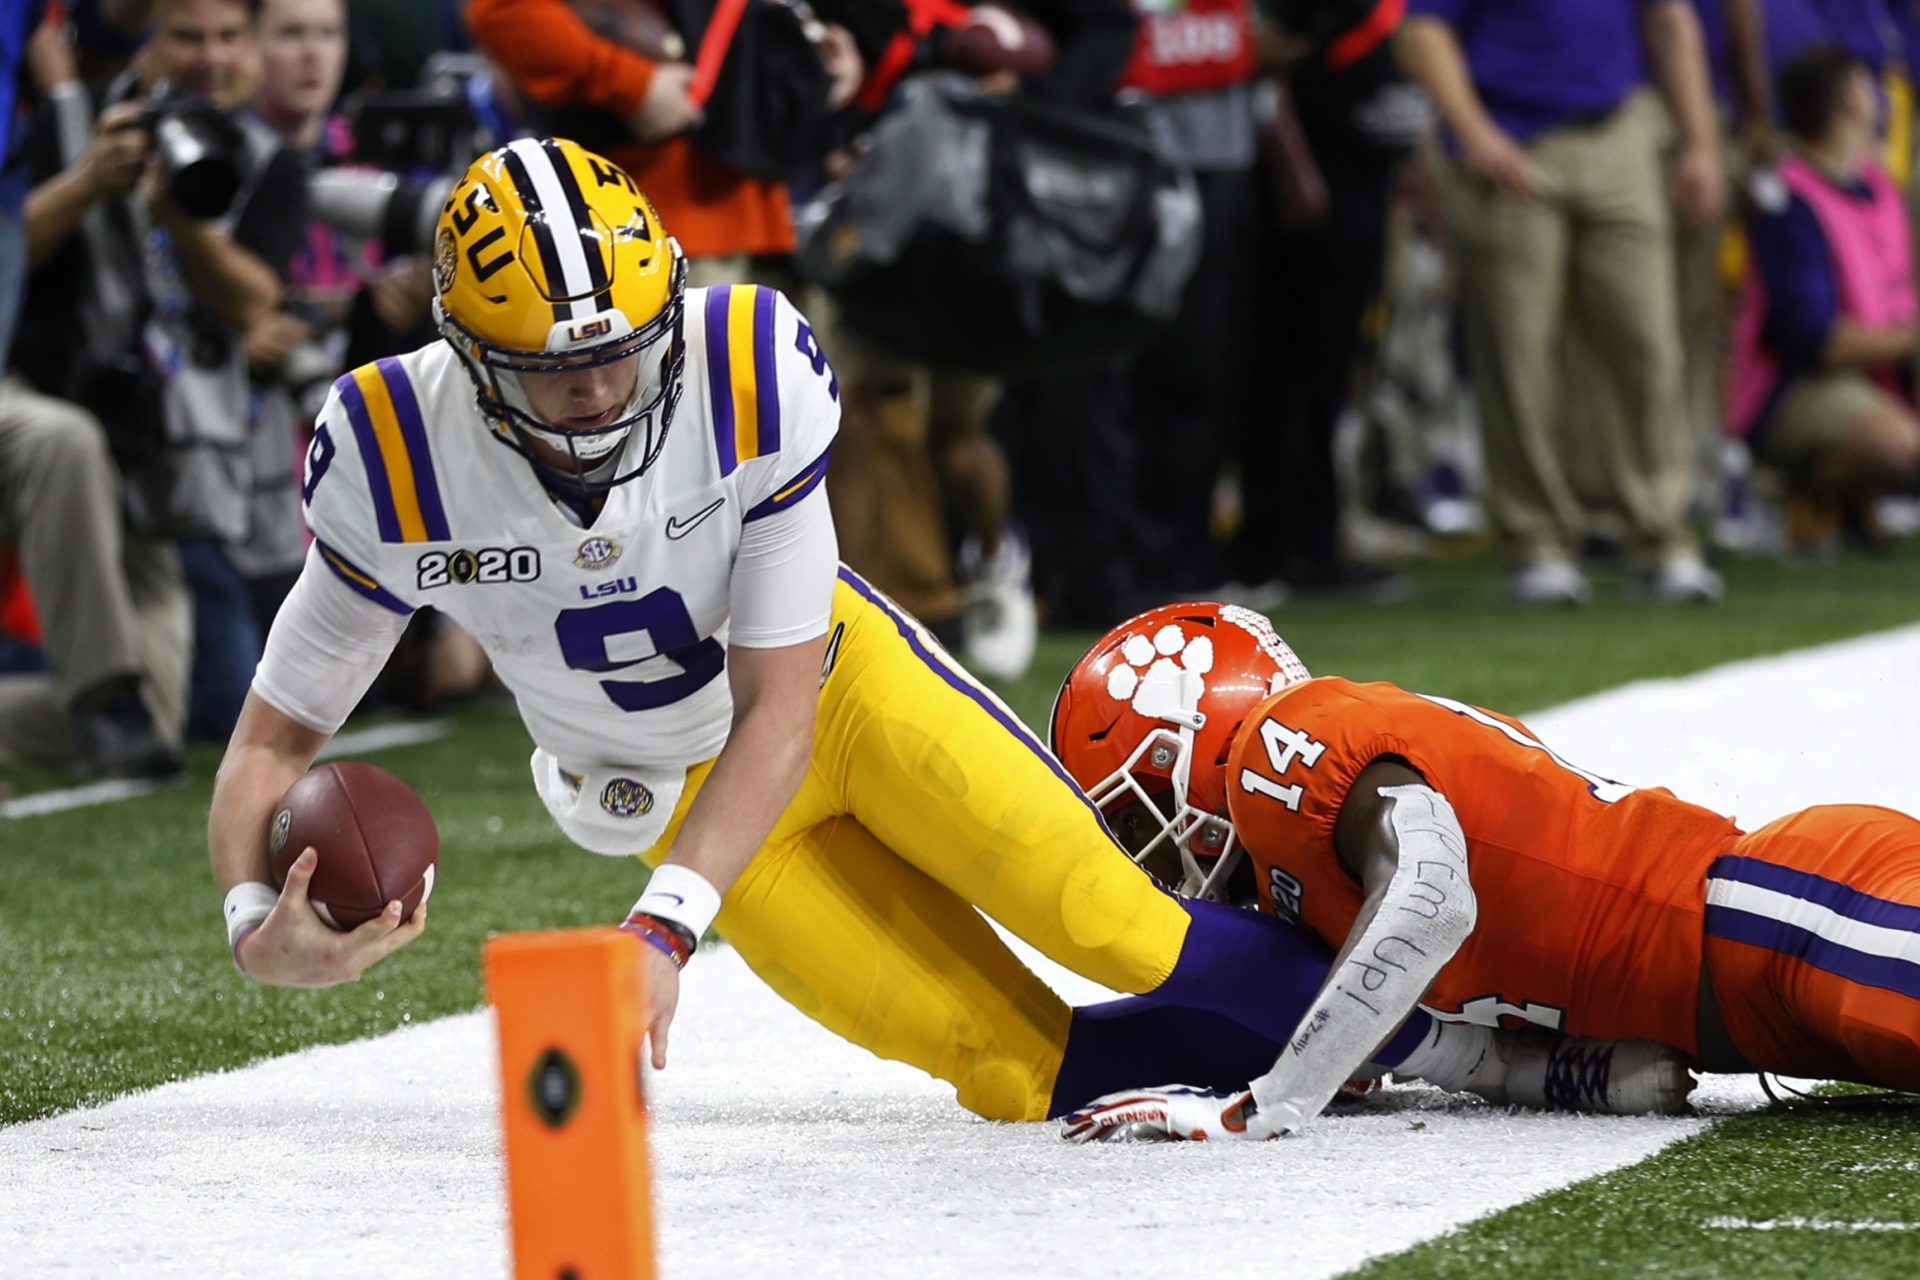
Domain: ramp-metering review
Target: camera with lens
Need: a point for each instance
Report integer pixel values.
(409, 148)
(201, 151)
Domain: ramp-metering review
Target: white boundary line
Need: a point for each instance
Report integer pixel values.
(360, 742)
(1805, 1224)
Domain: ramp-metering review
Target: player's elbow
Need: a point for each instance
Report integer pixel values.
(1437, 908)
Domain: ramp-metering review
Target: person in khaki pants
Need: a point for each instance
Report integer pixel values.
(115, 609)
(1557, 200)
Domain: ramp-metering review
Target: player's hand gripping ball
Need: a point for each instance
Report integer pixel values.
(374, 837)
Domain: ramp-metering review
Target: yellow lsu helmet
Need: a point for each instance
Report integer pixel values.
(548, 257)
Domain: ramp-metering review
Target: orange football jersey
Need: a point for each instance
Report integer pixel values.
(1597, 888)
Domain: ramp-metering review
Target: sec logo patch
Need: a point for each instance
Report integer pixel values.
(596, 553)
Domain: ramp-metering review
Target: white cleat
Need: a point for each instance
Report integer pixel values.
(1573, 1073)
(1684, 579)
(999, 625)
(1550, 582)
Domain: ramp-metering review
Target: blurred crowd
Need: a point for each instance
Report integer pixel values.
(1126, 301)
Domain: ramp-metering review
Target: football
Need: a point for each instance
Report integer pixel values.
(992, 39)
(375, 839)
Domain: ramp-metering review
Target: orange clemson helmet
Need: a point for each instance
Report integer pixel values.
(1148, 714)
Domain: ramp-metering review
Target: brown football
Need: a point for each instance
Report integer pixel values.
(375, 838)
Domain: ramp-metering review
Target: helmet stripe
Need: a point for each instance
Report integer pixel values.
(575, 281)
(528, 189)
(597, 276)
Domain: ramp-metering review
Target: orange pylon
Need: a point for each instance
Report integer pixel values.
(568, 1006)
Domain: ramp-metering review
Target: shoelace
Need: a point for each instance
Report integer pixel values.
(1577, 1077)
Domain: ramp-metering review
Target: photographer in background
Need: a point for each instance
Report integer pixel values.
(141, 304)
(114, 610)
(295, 351)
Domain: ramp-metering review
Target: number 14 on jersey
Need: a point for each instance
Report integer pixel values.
(1284, 747)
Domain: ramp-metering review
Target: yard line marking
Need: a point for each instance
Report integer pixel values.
(1805, 1224)
(406, 733)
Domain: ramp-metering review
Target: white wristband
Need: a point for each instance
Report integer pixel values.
(248, 903)
(682, 895)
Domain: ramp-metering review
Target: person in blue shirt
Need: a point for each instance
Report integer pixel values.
(1560, 208)
(18, 20)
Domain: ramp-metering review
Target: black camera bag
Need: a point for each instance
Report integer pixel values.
(1005, 235)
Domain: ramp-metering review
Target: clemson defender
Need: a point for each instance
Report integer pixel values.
(1465, 869)
(612, 481)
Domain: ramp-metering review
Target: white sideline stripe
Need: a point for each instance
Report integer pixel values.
(1855, 935)
(392, 1144)
(402, 733)
(77, 797)
(358, 742)
(1805, 1224)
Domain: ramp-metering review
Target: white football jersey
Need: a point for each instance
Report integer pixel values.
(611, 636)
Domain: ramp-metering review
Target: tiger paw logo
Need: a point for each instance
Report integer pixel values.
(1162, 675)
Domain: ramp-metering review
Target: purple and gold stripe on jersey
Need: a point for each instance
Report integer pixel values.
(386, 420)
(741, 383)
(795, 489)
(361, 581)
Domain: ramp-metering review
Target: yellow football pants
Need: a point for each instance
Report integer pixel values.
(925, 799)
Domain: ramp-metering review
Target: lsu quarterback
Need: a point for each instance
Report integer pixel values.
(1464, 868)
(612, 480)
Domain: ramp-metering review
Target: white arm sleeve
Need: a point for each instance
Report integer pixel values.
(1427, 912)
(327, 645)
(782, 590)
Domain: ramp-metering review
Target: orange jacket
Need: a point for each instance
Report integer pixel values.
(555, 58)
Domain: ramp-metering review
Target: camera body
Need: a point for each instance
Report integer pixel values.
(201, 151)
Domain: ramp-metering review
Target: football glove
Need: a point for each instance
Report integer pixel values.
(1171, 1113)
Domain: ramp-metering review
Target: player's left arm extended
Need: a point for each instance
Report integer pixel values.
(1401, 840)
(775, 692)
(753, 779)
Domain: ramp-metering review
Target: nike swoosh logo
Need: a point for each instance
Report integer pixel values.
(676, 897)
(678, 528)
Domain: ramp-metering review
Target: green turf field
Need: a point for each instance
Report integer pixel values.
(116, 975)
